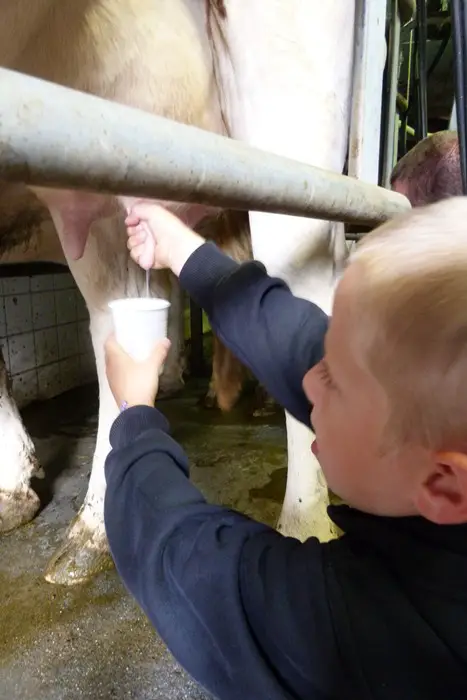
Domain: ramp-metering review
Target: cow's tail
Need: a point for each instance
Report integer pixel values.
(232, 231)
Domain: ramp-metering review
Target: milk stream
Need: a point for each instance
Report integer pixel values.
(147, 283)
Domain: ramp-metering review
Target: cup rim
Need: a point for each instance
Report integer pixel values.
(139, 304)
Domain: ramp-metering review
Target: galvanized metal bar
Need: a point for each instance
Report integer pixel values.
(453, 120)
(57, 137)
(422, 102)
(390, 141)
(459, 38)
(365, 124)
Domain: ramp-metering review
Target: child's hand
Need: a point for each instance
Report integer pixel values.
(131, 382)
(158, 239)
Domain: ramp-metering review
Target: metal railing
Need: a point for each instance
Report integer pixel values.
(54, 136)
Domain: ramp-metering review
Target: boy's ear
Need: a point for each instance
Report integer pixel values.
(442, 496)
(456, 459)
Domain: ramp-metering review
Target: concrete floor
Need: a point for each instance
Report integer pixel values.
(92, 641)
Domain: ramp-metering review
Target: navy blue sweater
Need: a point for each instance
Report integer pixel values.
(253, 615)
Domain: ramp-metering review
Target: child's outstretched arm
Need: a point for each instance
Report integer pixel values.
(279, 337)
(243, 609)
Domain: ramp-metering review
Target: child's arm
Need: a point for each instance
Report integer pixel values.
(279, 337)
(241, 607)
(276, 335)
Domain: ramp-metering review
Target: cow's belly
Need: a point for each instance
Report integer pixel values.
(150, 54)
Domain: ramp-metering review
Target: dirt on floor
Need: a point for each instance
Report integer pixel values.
(91, 641)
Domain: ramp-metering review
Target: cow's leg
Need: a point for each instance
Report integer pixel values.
(306, 497)
(84, 551)
(171, 380)
(293, 98)
(105, 272)
(231, 232)
(18, 502)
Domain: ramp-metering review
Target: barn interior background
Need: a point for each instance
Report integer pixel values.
(43, 319)
(91, 641)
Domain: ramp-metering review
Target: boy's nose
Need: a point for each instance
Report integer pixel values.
(311, 421)
(309, 385)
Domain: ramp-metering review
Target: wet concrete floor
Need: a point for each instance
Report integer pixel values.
(92, 641)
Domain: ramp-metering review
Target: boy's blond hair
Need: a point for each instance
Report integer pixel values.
(411, 321)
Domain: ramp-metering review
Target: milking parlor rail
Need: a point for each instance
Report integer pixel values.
(53, 136)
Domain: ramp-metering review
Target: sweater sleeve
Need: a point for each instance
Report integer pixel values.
(278, 336)
(241, 607)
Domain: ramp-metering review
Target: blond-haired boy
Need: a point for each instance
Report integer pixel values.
(381, 612)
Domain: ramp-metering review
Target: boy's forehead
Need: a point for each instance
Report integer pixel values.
(345, 290)
(343, 319)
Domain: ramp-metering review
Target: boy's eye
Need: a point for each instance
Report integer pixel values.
(324, 374)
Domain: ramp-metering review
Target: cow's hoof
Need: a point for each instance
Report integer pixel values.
(84, 554)
(267, 407)
(17, 508)
(169, 387)
(303, 519)
(320, 527)
(209, 400)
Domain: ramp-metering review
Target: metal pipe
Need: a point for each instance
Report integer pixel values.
(459, 38)
(422, 118)
(390, 141)
(409, 129)
(367, 90)
(438, 56)
(402, 103)
(53, 136)
(405, 116)
(453, 120)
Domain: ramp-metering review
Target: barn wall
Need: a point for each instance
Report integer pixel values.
(44, 332)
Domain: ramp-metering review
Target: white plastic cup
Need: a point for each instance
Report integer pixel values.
(139, 324)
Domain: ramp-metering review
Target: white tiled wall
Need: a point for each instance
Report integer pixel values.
(44, 333)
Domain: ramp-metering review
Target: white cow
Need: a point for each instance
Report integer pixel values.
(279, 74)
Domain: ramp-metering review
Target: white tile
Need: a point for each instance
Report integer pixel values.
(70, 373)
(43, 309)
(18, 313)
(46, 342)
(22, 352)
(42, 283)
(64, 280)
(67, 340)
(49, 381)
(2, 318)
(65, 305)
(25, 387)
(16, 285)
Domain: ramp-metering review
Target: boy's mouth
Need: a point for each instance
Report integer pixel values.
(314, 447)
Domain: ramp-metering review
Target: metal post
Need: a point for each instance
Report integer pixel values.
(53, 136)
(459, 37)
(453, 120)
(421, 34)
(365, 124)
(390, 141)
